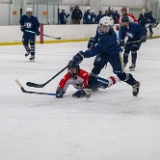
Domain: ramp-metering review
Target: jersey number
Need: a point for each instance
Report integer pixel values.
(28, 25)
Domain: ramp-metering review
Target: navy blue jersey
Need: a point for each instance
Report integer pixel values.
(88, 18)
(107, 44)
(93, 17)
(150, 18)
(63, 17)
(99, 16)
(135, 31)
(31, 24)
(142, 19)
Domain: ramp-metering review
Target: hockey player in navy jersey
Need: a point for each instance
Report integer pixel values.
(28, 24)
(136, 35)
(106, 50)
(151, 20)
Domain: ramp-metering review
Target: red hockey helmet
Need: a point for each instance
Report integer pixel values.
(124, 9)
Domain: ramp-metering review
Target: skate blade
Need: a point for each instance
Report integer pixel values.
(32, 60)
(131, 69)
(88, 93)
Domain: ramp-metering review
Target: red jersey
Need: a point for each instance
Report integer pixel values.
(80, 82)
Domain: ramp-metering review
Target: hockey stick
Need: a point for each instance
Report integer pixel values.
(30, 84)
(32, 92)
(44, 35)
(154, 26)
(132, 42)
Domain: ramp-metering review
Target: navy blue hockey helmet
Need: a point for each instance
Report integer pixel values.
(125, 19)
(73, 65)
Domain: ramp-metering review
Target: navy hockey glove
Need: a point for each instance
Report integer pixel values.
(121, 42)
(79, 94)
(59, 92)
(143, 39)
(23, 28)
(78, 58)
(91, 43)
(37, 33)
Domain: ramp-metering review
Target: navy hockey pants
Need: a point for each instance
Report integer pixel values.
(116, 62)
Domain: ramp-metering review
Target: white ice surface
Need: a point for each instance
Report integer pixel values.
(111, 125)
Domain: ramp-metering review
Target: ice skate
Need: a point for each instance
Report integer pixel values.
(27, 53)
(132, 67)
(124, 66)
(32, 58)
(88, 92)
(136, 87)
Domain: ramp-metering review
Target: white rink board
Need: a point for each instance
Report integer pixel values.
(67, 32)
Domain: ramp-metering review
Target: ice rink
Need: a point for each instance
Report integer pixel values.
(111, 125)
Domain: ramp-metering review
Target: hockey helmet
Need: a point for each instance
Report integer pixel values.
(124, 9)
(29, 10)
(125, 19)
(71, 66)
(106, 21)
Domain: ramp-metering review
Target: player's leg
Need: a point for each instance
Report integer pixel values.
(134, 49)
(125, 57)
(127, 49)
(107, 83)
(116, 63)
(32, 45)
(25, 40)
(100, 61)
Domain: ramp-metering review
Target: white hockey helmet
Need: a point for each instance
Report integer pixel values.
(106, 21)
(29, 10)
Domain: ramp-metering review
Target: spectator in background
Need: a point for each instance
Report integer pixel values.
(110, 12)
(116, 16)
(99, 16)
(76, 15)
(88, 17)
(106, 13)
(63, 17)
(93, 17)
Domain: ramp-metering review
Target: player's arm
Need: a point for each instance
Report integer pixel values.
(62, 86)
(22, 24)
(36, 24)
(122, 35)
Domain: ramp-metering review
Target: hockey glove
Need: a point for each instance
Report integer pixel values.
(79, 94)
(121, 42)
(91, 43)
(37, 33)
(59, 92)
(23, 28)
(78, 58)
(143, 39)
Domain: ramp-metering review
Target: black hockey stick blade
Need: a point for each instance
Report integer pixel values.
(50, 36)
(33, 92)
(30, 84)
